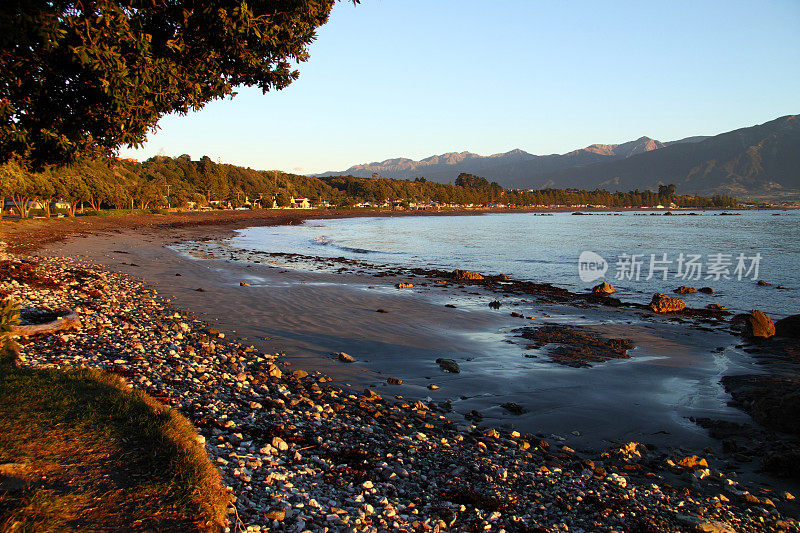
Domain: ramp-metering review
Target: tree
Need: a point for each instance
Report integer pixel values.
(19, 185)
(88, 77)
(283, 199)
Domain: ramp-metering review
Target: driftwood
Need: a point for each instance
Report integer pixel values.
(61, 324)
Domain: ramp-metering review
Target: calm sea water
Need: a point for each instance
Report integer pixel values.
(547, 248)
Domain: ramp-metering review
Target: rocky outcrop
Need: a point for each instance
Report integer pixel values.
(758, 325)
(575, 345)
(404, 285)
(603, 289)
(661, 303)
(788, 327)
(466, 275)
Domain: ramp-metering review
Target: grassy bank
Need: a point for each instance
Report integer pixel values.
(80, 451)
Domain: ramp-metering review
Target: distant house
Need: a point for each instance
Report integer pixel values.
(300, 203)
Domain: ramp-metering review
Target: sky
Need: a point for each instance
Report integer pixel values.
(414, 78)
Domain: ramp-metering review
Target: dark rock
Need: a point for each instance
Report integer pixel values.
(474, 415)
(514, 408)
(706, 290)
(788, 327)
(495, 304)
(394, 381)
(683, 289)
(762, 283)
(449, 365)
(577, 346)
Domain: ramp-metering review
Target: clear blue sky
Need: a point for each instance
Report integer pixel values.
(414, 78)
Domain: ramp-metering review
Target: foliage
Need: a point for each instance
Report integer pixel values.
(87, 77)
(117, 186)
(9, 317)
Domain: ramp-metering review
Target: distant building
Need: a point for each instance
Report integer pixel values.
(300, 203)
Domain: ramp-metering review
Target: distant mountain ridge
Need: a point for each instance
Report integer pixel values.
(503, 166)
(758, 160)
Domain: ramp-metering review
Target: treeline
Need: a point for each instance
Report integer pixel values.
(163, 182)
(603, 198)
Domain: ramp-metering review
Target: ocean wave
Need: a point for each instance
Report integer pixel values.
(325, 241)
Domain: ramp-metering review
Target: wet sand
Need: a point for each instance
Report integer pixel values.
(673, 372)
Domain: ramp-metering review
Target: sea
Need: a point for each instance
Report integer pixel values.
(639, 252)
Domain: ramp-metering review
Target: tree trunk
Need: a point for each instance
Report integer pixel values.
(46, 204)
(21, 205)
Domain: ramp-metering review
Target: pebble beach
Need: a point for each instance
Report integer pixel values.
(299, 452)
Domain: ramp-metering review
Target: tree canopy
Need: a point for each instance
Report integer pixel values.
(83, 78)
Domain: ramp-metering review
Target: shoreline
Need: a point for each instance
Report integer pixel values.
(299, 453)
(308, 316)
(143, 255)
(26, 236)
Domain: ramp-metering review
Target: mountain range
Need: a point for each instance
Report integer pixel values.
(758, 161)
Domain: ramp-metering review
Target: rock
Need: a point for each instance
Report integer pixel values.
(661, 303)
(344, 358)
(495, 304)
(758, 325)
(300, 374)
(394, 381)
(474, 415)
(603, 288)
(404, 285)
(279, 444)
(243, 284)
(788, 327)
(449, 365)
(762, 283)
(706, 290)
(200, 289)
(466, 275)
(693, 462)
(433, 386)
(514, 408)
(683, 289)
(381, 311)
(716, 307)
(278, 514)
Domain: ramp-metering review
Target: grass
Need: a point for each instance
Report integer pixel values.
(81, 451)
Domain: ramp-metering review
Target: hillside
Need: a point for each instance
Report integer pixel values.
(759, 161)
(505, 167)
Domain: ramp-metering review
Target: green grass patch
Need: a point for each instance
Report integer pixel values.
(80, 450)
